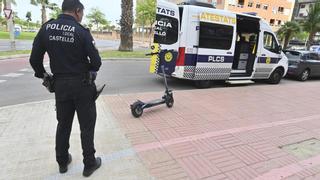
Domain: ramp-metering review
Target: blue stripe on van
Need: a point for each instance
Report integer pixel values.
(192, 59)
(263, 60)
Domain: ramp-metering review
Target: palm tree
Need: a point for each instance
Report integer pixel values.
(44, 5)
(126, 24)
(288, 30)
(312, 23)
(28, 16)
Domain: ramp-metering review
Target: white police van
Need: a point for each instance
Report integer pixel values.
(197, 42)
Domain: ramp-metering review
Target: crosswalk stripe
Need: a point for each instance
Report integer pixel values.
(12, 75)
(25, 70)
(2, 81)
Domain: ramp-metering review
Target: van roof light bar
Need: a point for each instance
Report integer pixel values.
(201, 3)
(251, 13)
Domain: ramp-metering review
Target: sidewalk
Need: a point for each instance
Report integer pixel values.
(221, 133)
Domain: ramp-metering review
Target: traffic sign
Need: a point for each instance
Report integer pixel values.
(7, 13)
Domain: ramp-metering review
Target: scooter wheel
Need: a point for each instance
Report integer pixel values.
(136, 110)
(169, 101)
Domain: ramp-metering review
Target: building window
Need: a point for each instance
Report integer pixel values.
(281, 9)
(279, 22)
(250, 4)
(272, 22)
(258, 6)
(302, 6)
(215, 36)
(241, 2)
(265, 7)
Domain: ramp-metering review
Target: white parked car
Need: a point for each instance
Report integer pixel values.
(315, 49)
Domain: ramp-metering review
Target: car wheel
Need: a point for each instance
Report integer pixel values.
(304, 75)
(276, 76)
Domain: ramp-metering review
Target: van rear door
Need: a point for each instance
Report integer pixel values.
(166, 38)
(217, 36)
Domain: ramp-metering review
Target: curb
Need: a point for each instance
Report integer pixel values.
(14, 56)
(123, 59)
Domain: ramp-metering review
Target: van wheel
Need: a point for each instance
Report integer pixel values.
(276, 76)
(304, 75)
(203, 84)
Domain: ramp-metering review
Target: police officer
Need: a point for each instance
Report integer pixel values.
(73, 59)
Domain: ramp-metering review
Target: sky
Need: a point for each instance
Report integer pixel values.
(111, 8)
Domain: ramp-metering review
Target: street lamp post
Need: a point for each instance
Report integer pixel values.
(10, 26)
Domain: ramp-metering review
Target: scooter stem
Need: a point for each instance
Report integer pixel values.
(165, 78)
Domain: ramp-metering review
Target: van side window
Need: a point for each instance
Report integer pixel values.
(215, 36)
(166, 30)
(269, 42)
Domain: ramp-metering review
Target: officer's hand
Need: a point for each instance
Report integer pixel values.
(93, 75)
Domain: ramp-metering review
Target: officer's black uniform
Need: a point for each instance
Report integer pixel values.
(69, 45)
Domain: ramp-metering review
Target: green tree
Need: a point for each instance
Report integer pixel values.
(146, 13)
(287, 31)
(312, 23)
(55, 11)
(126, 24)
(45, 4)
(97, 17)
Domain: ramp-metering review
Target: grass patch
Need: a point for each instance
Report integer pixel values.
(10, 53)
(23, 35)
(119, 54)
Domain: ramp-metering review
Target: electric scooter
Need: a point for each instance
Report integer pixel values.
(138, 107)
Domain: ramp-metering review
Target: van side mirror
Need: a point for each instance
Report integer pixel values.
(279, 49)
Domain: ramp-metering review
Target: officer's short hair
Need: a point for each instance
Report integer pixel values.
(71, 5)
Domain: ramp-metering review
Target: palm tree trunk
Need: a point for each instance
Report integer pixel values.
(44, 14)
(310, 39)
(1, 4)
(286, 41)
(126, 24)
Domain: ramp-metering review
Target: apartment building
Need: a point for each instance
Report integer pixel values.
(275, 12)
(301, 9)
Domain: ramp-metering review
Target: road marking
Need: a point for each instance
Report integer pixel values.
(2, 81)
(25, 70)
(12, 75)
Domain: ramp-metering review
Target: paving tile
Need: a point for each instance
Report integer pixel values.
(198, 167)
(182, 150)
(206, 145)
(224, 160)
(188, 130)
(168, 170)
(166, 134)
(217, 177)
(247, 154)
(245, 173)
(268, 149)
(227, 141)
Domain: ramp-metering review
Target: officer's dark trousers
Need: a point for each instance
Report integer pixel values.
(75, 95)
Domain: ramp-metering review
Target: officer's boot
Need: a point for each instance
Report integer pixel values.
(87, 171)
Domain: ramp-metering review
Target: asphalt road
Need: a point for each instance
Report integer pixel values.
(27, 44)
(17, 84)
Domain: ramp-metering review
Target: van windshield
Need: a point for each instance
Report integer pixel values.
(166, 30)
